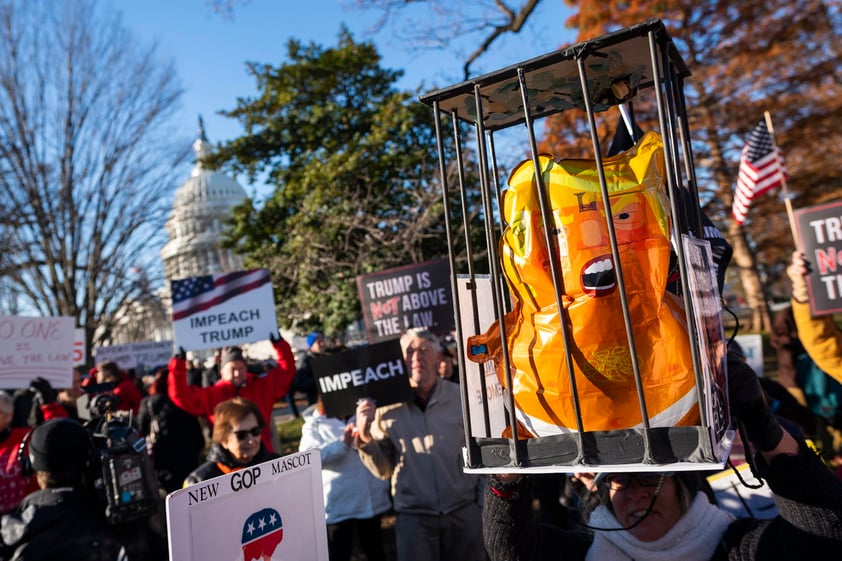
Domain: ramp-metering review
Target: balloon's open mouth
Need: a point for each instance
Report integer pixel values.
(598, 276)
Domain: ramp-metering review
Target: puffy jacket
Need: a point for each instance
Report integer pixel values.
(219, 462)
(63, 524)
(264, 389)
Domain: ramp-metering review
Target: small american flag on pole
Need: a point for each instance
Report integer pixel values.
(197, 294)
(761, 169)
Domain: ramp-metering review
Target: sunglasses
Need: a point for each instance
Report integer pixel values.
(622, 481)
(245, 433)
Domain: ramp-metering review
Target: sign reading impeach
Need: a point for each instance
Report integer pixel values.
(374, 371)
(820, 237)
(413, 296)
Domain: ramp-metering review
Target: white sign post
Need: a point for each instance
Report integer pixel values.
(36, 346)
(216, 311)
(492, 403)
(271, 511)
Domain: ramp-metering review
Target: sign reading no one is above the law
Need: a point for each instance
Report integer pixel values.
(271, 511)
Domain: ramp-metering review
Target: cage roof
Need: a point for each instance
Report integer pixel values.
(621, 58)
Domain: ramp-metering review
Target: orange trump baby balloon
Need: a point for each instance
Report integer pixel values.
(592, 309)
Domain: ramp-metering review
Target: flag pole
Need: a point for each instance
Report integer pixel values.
(787, 202)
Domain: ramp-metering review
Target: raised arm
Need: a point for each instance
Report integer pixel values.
(281, 376)
(193, 399)
(820, 336)
(376, 450)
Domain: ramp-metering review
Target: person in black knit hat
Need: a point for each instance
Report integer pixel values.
(63, 520)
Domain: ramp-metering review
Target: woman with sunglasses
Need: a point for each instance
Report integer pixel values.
(236, 441)
(664, 516)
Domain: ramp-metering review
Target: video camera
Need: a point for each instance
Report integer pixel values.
(124, 473)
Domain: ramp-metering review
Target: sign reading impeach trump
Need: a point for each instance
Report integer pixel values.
(223, 310)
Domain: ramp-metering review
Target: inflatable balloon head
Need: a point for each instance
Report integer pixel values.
(591, 307)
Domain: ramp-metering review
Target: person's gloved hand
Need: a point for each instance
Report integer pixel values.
(273, 338)
(181, 354)
(44, 392)
(750, 407)
(796, 270)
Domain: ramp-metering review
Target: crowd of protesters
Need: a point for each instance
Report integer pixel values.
(404, 459)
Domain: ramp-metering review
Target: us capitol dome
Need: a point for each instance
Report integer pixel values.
(201, 206)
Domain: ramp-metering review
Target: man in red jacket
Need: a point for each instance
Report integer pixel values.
(264, 389)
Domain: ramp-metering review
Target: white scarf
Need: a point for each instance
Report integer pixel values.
(693, 538)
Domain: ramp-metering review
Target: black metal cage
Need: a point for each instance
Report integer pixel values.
(596, 78)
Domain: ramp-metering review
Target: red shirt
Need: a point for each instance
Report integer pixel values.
(263, 389)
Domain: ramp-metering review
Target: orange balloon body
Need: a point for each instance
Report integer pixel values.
(593, 314)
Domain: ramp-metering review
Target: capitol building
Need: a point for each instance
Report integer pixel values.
(201, 206)
(195, 229)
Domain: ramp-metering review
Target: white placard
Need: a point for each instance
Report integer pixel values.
(741, 501)
(494, 391)
(215, 311)
(273, 511)
(80, 353)
(752, 344)
(36, 346)
(146, 355)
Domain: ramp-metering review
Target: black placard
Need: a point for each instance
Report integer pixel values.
(397, 299)
(373, 371)
(820, 236)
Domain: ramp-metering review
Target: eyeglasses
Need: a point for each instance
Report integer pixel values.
(245, 433)
(622, 481)
(412, 350)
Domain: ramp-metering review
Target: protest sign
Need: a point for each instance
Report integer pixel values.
(820, 238)
(273, 510)
(373, 371)
(79, 354)
(140, 356)
(397, 299)
(707, 315)
(36, 346)
(221, 310)
(733, 496)
(752, 344)
(485, 405)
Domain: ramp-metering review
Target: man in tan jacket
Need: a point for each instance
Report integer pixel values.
(418, 445)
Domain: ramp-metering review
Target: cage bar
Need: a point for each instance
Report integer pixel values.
(643, 61)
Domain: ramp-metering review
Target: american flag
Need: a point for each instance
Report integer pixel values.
(761, 169)
(262, 532)
(196, 294)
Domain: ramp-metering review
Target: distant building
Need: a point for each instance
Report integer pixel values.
(201, 206)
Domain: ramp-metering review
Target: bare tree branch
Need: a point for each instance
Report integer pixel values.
(87, 159)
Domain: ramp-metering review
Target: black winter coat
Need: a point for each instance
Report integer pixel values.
(219, 462)
(179, 441)
(63, 524)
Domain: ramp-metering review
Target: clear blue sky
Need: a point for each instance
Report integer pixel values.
(210, 50)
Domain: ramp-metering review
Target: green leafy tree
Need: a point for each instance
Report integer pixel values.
(354, 168)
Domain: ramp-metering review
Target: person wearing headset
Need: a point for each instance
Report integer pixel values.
(663, 516)
(62, 520)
